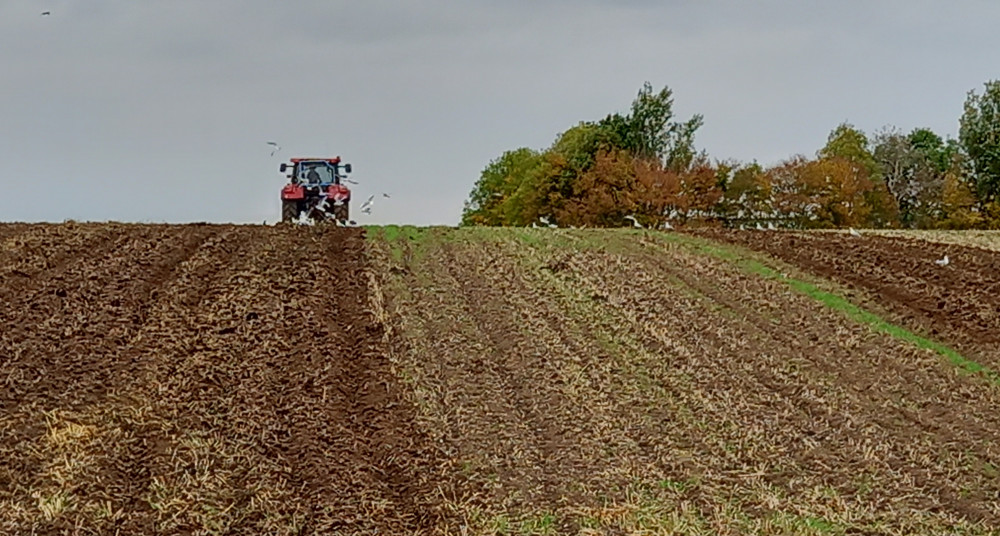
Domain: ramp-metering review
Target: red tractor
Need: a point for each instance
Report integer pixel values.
(314, 189)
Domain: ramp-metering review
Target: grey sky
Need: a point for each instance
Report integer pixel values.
(160, 110)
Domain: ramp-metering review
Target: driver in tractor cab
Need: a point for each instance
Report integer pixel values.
(312, 177)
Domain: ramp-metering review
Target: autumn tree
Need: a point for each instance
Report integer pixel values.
(823, 193)
(790, 199)
(700, 192)
(658, 196)
(523, 185)
(573, 153)
(847, 143)
(959, 205)
(647, 133)
(604, 194)
(620, 185)
(839, 187)
(979, 136)
(747, 194)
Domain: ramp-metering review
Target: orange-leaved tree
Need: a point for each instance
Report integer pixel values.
(748, 197)
(700, 193)
(604, 194)
(959, 205)
(835, 188)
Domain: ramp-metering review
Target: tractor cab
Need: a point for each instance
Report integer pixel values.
(314, 188)
(317, 172)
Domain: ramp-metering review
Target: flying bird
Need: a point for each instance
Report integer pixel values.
(368, 204)
(275, 145)
(385, 195)
(853, 232)
(46, 13)
(942, 262)
(345, 179)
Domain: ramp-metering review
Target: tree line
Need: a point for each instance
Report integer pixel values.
(644, 164)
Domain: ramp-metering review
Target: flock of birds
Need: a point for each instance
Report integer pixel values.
(366, 208)
(546, 222)
(944, 261)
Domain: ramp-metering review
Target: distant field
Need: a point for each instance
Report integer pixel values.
(210, 379)
(980, 239)
(958, 303)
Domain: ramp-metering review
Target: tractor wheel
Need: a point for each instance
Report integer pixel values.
(289, 211)
(341, 213)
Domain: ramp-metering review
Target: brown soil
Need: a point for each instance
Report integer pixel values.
(958, 304)
(989, 240)
(220, 379)
(613, 382)
(200, 379)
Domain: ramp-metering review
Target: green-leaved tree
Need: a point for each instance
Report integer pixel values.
(979, 136)
(495, 199)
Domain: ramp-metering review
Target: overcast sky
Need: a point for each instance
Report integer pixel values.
(160, 110)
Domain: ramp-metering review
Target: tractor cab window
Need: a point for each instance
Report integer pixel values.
(317, 173)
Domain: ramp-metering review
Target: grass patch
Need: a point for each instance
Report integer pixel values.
(542, 524)
(674, 485)
(500, 525)
(399, 239)
(806, 524)
(527, 236)
(392, 233)
(990, 471)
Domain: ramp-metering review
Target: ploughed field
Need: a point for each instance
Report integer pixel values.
(958, 303)
(212, 379)
(199, 380)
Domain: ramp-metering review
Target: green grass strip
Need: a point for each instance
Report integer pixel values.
(838, 303)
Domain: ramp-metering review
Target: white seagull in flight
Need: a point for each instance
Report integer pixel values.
(368, 204)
